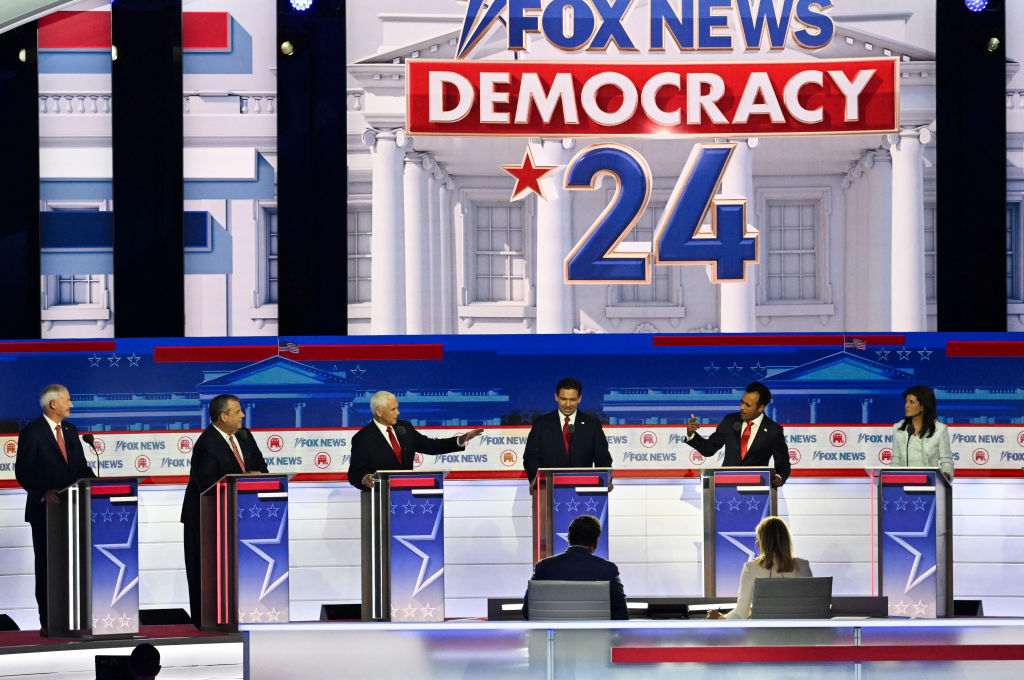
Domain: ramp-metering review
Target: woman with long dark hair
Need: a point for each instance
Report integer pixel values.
(775, 561)
(920, 440)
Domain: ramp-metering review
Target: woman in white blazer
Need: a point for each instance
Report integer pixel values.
(919, 440)
(775, 561)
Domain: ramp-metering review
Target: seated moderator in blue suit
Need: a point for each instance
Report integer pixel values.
(579, 563)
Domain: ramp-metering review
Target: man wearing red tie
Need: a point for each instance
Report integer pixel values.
(750, 437)
(567, 437)
(224, 448)
(50, 458)
(387, 443)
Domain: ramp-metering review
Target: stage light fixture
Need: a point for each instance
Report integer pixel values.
(973, 5)
(303, 5)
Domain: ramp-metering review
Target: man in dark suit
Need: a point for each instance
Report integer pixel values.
(224, 448)
(567, 437)
(387, 443)
(50, 458)
(579, 563)
(750, 437)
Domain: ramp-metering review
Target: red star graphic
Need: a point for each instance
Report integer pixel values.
(528, 176)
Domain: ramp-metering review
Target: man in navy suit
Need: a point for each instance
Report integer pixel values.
(579, 563)
(224, 448)
(750, 437)
(387, 443)
(567, 437)
(50, 458)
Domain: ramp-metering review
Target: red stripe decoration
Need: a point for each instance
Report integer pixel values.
(206, 31)
(898, 479)
(413, 483)
(111, 490)
(245, 353)
(721, 479)
(817, 654)
(771, 340)
(90, 30)
(75, 31)
(576, 480)
(250, 353)
(984, 348)
(245, 485)
(59, 346)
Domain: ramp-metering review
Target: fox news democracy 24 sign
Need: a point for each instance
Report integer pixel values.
(618, 99)
(500, 449)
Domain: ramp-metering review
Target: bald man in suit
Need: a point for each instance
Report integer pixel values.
(224, 448)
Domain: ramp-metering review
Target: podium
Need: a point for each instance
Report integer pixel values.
(915, 542)
(735, 501)
(403, 537)
(560, 495)
(244, 543)
(93, 559)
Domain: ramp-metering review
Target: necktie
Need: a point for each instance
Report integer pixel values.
(745, 439)
(60, 443)
(395, 446)
(565, 434)
(238, 456)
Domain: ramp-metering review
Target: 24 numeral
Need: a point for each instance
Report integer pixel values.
(601, 257)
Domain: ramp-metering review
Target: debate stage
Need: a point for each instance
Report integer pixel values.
(838, 648)
(616, 649)
(184, 653)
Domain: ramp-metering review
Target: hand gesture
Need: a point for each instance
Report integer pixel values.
(692, 425)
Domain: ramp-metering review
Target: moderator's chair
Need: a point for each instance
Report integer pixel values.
(792, 598)
(569, 600)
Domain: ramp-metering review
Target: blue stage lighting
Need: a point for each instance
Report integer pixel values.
(973, 5)
(303, 5)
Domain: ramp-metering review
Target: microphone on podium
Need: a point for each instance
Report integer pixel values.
(89, 439)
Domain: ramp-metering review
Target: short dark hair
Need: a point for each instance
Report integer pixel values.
(764, 395)
(569, 384)
(145, 659)
(584, 530)
(219, 405)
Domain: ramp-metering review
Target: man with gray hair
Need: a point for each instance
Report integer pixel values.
(50, 458)
(387, 443)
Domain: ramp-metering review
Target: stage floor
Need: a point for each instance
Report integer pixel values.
(185, 654)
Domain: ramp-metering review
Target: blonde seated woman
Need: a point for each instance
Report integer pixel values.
(775, 561)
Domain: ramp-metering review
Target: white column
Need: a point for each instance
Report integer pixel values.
(871, 293)
(907, 286)
(249, 408)
(298, 412)
(447, 259)
(387, 287)
(345, 413)
(555, 311)
(736, 300)
(865, 410)
(434, 263)
(814, 410)
(417, 243)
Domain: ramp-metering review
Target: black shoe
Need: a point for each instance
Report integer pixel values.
(43, 632)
